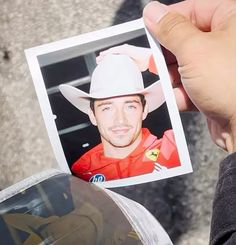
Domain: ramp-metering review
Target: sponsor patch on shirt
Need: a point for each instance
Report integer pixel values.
(97, 178)
(152, 154)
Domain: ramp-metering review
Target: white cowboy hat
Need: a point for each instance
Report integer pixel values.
(116, 75)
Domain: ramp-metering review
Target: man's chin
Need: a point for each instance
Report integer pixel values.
(121, 144)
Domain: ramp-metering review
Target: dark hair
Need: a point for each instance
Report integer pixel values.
(142, 98)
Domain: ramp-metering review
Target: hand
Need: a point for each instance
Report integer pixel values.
(201, 34)
(140, 55)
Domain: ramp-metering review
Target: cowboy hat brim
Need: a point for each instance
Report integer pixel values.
(81, 100)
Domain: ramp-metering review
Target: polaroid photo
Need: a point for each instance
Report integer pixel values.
(109, 108)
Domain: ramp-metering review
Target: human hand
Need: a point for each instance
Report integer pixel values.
(140, 55)
(201, 34)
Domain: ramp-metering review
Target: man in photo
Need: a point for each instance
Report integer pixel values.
(117, 104)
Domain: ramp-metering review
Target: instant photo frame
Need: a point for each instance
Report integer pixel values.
(72, 61)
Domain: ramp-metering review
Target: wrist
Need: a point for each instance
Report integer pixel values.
(231, 146)
(223, 133)
(229, 137)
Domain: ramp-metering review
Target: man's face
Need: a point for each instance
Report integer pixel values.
(119, 119)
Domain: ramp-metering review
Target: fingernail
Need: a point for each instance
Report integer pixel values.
(155, 11)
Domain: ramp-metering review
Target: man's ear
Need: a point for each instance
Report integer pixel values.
(145, 111)
(92, 117)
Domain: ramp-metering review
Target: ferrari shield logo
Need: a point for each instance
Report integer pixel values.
(152, 154)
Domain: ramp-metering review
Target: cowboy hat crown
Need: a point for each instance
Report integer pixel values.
(115, 75)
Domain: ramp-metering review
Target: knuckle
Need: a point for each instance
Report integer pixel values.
(172, 24)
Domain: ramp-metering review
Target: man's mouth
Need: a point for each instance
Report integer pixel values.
(120, 130)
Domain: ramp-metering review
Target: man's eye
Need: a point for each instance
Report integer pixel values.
(107, 108)
(132, 107)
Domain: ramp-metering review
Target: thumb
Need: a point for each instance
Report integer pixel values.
(171, 29)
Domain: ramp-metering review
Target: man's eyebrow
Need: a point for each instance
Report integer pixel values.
(103, 103)
(133, 101)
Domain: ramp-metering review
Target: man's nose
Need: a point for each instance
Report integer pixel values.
(120, 116)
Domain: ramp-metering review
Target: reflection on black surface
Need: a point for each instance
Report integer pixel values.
(64, 210)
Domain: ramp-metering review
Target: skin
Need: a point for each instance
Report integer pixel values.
(199, 37)
(119, 121)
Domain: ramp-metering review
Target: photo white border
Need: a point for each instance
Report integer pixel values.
(137, 25)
